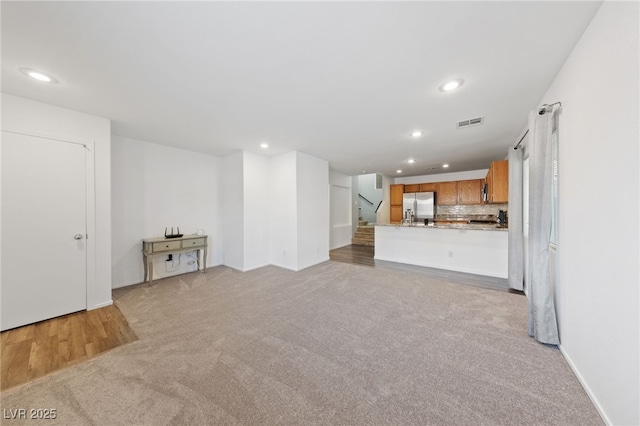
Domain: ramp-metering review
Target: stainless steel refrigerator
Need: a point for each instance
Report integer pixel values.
(422, 204)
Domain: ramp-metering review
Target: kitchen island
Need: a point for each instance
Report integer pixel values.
(480, 249)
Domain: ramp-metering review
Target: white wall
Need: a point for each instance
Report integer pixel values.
(341, 231)
(443, 177)
(153, 187)
(256, 210)
(233, 210)
(354, 204)
(367, 188)
(313, 210)
(299, 219)
(384, 213)
(463, 250)
(35, 117)
(283, 211)
(597, 289)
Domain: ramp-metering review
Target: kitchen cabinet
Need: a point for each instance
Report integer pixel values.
(447, 193)
(498, 182)
(395, 201)
(414, 187)
(427, 187)
(396, 214)
(470, 191)
(396, 192)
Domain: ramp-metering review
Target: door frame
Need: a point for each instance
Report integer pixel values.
(90, 213)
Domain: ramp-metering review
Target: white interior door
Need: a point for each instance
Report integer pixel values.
(44, 212)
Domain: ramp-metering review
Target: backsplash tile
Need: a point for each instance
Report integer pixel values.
(475, 211)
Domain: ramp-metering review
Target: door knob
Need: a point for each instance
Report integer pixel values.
(77, 236)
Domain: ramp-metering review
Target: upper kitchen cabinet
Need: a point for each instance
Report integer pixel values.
(461, 192)
(447, 193)
(395, 194)
(414, 187)
(427, 187)
(470, 191)
(498, 182)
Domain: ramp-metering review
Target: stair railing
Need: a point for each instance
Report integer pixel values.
(369, 202)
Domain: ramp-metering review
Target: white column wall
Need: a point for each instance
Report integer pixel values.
(24, 114)
(340, 225)
(384, 214)
(155, 186)
(597, 289)
(233, 210)
(312, 210)
(256, 210)
(355, 213)
(283, 217)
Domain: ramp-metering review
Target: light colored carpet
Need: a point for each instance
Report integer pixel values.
(334, 344)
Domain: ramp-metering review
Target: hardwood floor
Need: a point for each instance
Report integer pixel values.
(357, 255)
(361, 255)
(35, 350)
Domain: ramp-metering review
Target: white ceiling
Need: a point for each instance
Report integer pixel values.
(342, 81)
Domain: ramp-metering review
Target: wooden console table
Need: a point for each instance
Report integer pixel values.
(155, 246)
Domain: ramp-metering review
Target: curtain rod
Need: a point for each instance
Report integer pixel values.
(521, 139)
(545, 107)
(541, 111)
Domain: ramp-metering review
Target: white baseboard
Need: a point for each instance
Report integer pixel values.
(100, 305)
(125, 284)
(254, 267)
(493, 274)
(584, 384)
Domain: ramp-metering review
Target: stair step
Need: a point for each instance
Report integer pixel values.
(365, 235)
(366, 230)
(369, 237)
(360, 242)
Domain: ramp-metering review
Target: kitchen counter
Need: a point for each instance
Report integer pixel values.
(463, 247)
(452, 225)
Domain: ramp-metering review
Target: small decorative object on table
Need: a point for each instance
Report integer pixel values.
(172, 235)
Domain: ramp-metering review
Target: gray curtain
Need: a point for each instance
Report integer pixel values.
(542, 314)
(516, 237)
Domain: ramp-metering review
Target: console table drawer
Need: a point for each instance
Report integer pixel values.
(167, 245)
(196, 242)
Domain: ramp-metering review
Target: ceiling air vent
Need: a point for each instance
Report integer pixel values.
(470, 122)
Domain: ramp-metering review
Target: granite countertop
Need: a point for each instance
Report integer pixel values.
(451, 225)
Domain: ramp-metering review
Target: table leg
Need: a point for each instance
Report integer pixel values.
(204, 260)
(150, 266)
(146, 267)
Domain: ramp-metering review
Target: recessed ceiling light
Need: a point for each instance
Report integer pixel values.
(445, 165)
(451, 85)
(264, 145)
(398, 171)
(38, 75)
(416, 134)
(411, 161)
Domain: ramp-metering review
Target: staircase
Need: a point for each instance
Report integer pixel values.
(365, 234)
